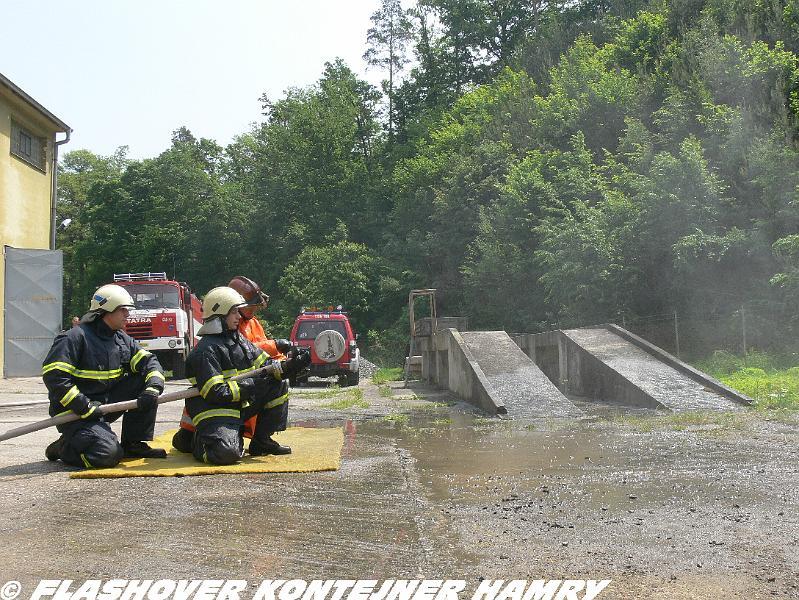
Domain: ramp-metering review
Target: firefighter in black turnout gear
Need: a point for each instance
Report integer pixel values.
(222, 407)
(96, 363)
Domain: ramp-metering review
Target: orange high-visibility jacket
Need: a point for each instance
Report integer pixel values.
(253, 331)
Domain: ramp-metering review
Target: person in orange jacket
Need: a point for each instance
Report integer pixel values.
(250, 328)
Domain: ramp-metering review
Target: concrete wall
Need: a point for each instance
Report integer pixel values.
(544, 349)
(448, 363)
(684, 368)
(24, 189)
(588, 377)
(424, 327)
(577, 373)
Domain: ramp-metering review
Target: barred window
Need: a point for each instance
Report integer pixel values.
(28, 147)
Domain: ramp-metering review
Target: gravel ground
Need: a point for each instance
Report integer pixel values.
(667, 506)
(368, 368)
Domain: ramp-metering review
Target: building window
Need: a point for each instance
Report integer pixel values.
(28, 147)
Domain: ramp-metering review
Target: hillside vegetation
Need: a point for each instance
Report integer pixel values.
(540, 163)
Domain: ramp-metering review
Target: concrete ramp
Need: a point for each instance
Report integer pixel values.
(611, 364)
(666, 384)
(513, 379)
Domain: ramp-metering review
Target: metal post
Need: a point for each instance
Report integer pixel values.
(411, 298)
(677, 334)
(743, 328)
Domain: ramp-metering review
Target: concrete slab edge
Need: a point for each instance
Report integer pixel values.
(621, 377)
(679, 365)
(491, 404)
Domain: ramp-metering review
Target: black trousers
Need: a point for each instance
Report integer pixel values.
(220, 440)
(93, 443)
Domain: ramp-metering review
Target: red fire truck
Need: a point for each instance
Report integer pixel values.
(165, 319)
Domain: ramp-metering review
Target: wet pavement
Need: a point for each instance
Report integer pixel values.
(666, 506)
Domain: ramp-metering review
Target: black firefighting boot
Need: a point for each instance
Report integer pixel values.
(142, 450)
(53, 450)
(267, 446)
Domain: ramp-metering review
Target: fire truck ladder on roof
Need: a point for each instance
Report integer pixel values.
(139, 276)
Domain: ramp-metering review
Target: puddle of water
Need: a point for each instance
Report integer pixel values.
(550, 461)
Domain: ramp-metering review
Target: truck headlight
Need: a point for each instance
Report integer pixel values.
(172, 343)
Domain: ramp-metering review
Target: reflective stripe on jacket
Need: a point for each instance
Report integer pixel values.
(86, 361)
(254, 332)
(211, 364)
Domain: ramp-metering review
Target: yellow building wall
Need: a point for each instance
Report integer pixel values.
(24, 192)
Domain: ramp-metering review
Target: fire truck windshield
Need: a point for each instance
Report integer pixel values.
(154, 295)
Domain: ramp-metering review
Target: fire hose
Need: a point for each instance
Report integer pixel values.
(117, 407)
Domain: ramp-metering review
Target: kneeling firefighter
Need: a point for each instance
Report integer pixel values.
(252, 330)
(96, 363)
(222, 408)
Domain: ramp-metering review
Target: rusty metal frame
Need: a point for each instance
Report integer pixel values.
(412, 296)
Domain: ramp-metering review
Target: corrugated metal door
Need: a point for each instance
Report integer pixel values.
(32, 306)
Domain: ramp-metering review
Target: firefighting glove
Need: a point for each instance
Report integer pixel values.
(283, 346)
(274, 370)
(92, 412)
(147, 400)
(253, 386)
(298, 360)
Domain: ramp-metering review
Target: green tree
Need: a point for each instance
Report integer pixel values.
(387, 40)
(78, 172)
(340, 273)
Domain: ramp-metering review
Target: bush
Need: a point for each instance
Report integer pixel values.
(767, 379)
(386, 348)
(387, 374)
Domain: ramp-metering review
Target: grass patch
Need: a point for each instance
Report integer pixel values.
(399, 418)
(778, 389)
(771, 381)
(332, 392)
(428, 406)
(644, 424)
(385, 391)
(386, 374)
(353, 398)
(682, 421)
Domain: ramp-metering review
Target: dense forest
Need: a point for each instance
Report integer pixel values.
(542, 163)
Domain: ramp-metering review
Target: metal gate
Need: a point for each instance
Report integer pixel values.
(33, 297)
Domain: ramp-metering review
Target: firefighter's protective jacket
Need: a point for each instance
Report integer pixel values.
(85, 362)
(211, 365)
(254, 331)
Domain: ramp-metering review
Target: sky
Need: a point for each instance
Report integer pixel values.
(129, 72)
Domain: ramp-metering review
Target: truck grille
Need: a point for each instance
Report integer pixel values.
(139, 331)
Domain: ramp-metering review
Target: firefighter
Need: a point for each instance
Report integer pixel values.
(223, 406)
(97, 363)
(251, 329)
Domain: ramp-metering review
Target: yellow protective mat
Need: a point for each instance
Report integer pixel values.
(312, 450)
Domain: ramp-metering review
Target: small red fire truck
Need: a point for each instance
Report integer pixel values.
(165, 319)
